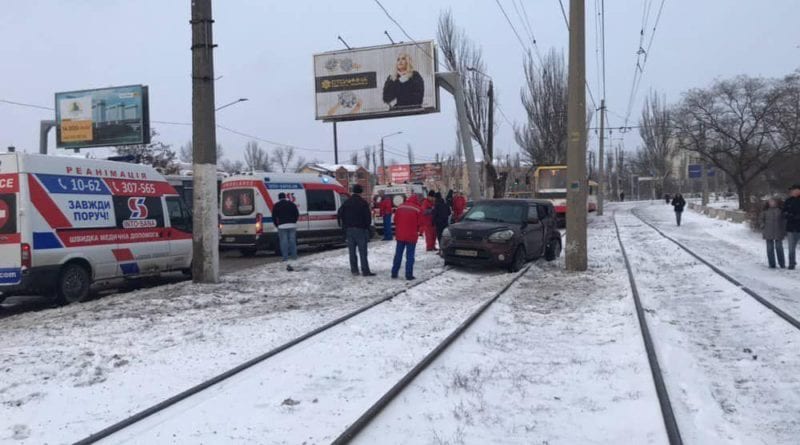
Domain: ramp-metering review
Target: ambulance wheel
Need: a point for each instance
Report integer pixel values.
(73, 284)
(248, 252)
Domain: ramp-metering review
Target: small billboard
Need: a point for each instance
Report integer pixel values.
(103, 117)
(695, 171)
(402, 173)
(377, 81)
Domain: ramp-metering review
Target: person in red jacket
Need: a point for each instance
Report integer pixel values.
(386, 207)
(407, 224)
(459, 205)
(427, 221)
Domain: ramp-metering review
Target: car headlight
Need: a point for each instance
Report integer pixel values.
(501, 236)
(446, 233)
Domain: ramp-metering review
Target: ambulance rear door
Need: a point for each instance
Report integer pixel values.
(10, 237)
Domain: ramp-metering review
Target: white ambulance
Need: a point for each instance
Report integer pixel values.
(246, 209)
(66, 222)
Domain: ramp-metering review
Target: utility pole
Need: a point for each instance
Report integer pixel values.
(490, 142)
(576, 257)
(335, 145)
(601, 172)
(205, 236)
(383, 165)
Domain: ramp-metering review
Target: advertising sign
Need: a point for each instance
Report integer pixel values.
(378, 81)
(696, 171)
(402, 173)
(103, 117)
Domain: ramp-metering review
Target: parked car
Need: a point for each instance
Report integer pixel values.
(505, 233)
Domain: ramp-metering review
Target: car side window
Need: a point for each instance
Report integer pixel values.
(179, 216)
(533, 212)
(543, 213)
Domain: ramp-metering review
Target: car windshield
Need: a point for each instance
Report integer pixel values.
(497, 212)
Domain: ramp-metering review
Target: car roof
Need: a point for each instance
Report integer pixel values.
(517, 201)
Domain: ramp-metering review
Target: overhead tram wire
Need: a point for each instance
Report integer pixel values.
(513, 28)
(526, 26)
(422, 48)
(22, 104)
(642, 54)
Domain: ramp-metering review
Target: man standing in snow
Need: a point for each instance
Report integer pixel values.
(284, 216)
(356, 219)
(407, 222)
(678, 203)
(791, 211)
(386, 208)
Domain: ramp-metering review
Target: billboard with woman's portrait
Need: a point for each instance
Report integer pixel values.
(377, 81)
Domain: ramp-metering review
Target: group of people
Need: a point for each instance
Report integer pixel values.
(781, 219)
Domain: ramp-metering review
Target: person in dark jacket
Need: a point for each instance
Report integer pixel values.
(774, 231)
(356, 218)
(404, 88)
(441, 217)
(284, 216)
(449, 198)
(678, 203)
(791, 211)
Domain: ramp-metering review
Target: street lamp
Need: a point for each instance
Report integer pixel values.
(241, 99)
(383, 164)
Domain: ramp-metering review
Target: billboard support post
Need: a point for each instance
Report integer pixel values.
(452, 83)
(335, 145)
(44, 128)
(205, 252)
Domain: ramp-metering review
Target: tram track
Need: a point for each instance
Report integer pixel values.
(197, 389)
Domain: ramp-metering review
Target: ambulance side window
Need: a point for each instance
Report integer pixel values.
(138, 212)
(179, 216)
(8, 213)
(321, 200)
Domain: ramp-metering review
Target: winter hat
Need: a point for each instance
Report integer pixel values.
(794, 187)
(281, 195)
(358, 189)
(432, 193)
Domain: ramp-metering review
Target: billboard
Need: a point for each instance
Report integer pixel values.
(410, 173)
(378, 81)
(103, 117)
(696, 171)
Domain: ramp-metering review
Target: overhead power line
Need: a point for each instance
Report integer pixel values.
(403, 30)
(642, 54)
(513, 28)
(22, 104)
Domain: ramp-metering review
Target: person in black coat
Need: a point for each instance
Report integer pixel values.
(441, 217)
(678, 203)
(355, 218)
(791, 211)
(404, 88)
(284, 216)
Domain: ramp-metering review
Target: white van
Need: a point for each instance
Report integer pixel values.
(66, 222)
(246, 209)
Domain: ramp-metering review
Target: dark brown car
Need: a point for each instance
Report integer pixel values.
(503, 232)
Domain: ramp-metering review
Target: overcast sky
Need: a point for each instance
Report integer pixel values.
(266, 46)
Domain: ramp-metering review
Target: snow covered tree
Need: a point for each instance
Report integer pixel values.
(157, 154)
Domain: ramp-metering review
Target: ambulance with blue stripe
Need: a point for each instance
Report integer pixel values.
(246, 203)
(67, 222)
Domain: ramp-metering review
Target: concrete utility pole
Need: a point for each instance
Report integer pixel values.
(576, 259)
(490, 142)
(601, 171)
(336, 145)
(205, 259)
(383, 163)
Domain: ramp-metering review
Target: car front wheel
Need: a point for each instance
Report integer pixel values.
(553, 249)
(518, 262)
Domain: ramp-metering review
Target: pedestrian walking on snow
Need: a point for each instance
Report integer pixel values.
(441, 217)
(791, 211)
(386, 208)
(427, 220)
(622, 196)
(356, 218)
(407, 223)
(678, 203)
(284, 216)
(774, 231)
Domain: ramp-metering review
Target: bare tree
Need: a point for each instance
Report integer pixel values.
(283, 157)
(466, 58)
(256, 157)
(543, 138)
(186, 153)
(367, 157)
(655, 129)
(743, 126)
(410, 154)
(220, 151)
(231, 167)
(299, 163)
(157, 154)
(354, 158)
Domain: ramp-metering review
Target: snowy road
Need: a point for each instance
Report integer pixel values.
(729, 363)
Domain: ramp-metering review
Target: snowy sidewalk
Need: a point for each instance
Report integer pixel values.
(729, 363)
(120, 354)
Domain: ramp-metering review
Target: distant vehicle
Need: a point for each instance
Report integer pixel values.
(246, 210)
(398, 193)
(66, 222)
(184, 185)
(550, 182)
(503, 232)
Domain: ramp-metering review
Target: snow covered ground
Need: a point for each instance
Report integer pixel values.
(120, 354)
(557, 360)
(735, 249)
(730, 364)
